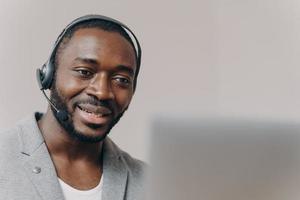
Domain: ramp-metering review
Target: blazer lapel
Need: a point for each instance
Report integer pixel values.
(37, 161)
(41, 171)
(114, 173)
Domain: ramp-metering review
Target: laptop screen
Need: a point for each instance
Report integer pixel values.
(224, 159)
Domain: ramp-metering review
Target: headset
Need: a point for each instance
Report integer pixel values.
(45, 74)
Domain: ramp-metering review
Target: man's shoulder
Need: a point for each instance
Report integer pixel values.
(135, 166)
(12, 139)
(135, 169)
(9, 138)
(10, 147)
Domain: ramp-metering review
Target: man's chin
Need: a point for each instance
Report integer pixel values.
(96, 136)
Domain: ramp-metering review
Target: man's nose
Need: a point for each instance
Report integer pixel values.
(100, 87)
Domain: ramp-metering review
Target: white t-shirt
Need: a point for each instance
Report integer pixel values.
(71, 193)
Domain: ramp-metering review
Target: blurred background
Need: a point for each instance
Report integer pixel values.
(200, 58)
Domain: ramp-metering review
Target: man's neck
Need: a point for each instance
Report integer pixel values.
(77, 163)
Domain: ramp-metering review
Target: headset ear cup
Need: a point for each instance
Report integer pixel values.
(39, 78)
(46, 75)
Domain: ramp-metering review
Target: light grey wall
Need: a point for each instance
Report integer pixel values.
(258, 52)
(225, 57)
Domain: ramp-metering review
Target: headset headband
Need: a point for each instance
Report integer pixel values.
(134, 39)
(45, 75)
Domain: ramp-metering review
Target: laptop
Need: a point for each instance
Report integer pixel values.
(224, 159)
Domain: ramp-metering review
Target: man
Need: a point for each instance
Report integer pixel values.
(64, 153)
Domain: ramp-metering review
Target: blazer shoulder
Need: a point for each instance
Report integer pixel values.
(9, 139)
(10, 147)
(135, 166)
(137, 176)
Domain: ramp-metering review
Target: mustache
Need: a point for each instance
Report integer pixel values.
(95, 102)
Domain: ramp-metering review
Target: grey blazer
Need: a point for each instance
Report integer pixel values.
(27, 171)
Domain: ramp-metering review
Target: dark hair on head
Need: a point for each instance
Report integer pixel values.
(93, 23)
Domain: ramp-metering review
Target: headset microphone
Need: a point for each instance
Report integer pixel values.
(61, 114)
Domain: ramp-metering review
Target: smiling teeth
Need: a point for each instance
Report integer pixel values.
(91, 113)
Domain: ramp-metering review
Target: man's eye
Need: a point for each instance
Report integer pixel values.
(123, 80)
(85, 73)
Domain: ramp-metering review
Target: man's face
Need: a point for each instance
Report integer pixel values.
(94, 82)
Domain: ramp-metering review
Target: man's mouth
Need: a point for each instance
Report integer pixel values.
(99, 111)
(94, 114)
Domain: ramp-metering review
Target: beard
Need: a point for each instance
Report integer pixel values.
(68, 125)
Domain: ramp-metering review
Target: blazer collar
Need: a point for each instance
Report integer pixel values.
(115, 172)
(36, 156)
(30, 135)
(36, 160)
